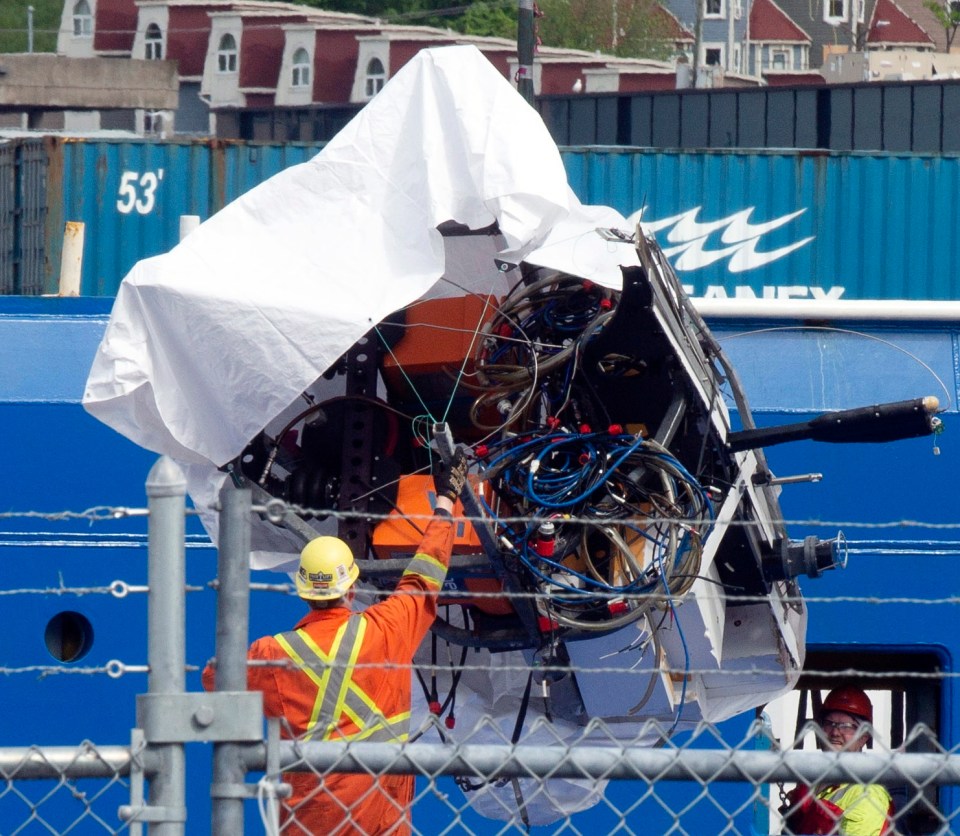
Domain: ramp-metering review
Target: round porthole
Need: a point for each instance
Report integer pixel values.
(69, 636)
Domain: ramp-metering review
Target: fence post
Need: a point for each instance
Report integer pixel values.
(71, 259)
(233, 616)
(166, 637)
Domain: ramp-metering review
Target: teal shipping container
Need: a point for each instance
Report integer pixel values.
(131, 195)
(789, 224)
(765, 224)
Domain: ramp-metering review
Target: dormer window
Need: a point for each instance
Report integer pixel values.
(301, 68)
(153, 43)
(227, 54)
(834, 10)
(780, 58)
(82, 20)
(376, 77)
(713, 8)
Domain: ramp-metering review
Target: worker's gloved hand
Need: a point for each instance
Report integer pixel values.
(449, 479)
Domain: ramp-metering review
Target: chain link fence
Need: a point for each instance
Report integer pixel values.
(495, 745)
(63, 789)
(728, 786)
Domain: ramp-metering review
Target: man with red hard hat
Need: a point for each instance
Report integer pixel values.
(341, 675)
(848, 809)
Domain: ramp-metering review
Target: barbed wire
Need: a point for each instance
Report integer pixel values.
(118, 589)
(276, 510)
(116, 669)
(121, 589)
(68, 537)
(97, 513)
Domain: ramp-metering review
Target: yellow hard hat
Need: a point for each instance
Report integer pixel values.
(327, 569)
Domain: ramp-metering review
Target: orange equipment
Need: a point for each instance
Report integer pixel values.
(438, 335)
(396, 537)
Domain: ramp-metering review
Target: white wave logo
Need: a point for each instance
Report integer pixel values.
(687, 239)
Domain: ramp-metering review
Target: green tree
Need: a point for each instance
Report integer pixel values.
(359, 7)
(947, 15)
(496, 20)
(485, 17)
(442, 13)
(14, 35)
(628, 28)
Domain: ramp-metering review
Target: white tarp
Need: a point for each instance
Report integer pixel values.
(209, 342)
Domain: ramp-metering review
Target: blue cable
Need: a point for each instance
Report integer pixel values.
(531, 557)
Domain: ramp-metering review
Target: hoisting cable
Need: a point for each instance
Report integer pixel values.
(403, 371)
(466, 358)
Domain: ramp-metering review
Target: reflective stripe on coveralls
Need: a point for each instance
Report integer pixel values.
(866, 808)
(428, 568)
(337, 693)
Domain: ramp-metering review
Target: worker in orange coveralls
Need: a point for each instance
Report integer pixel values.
(333, 687)
(848, 809)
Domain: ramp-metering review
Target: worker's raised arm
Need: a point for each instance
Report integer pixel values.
(413, 605)
(428, 568)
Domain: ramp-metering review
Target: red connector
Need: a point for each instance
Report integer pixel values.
(547, 625)
(617, 606)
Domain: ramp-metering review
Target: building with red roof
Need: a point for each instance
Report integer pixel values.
(779, 48)
(918, 11)
(252, 69)
(897, 48)
(261, 70)
(892, 28)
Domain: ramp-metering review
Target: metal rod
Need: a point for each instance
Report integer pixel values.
(526, 609)
(625, 762)
(45, 762)
(233, 620)
(166, 623)
(628, 763)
